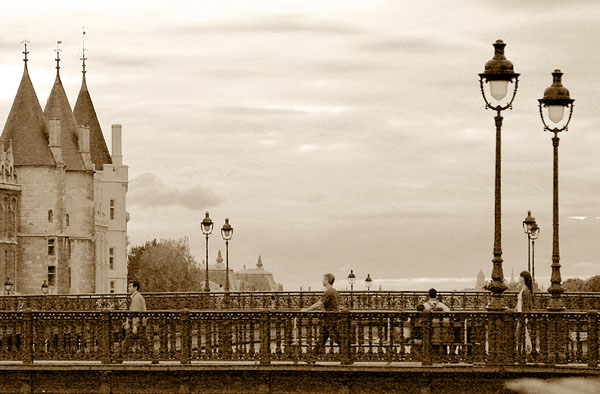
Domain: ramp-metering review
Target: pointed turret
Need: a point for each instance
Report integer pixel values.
(27, 128)
(58, 108)
(259, 264)
(85, 114)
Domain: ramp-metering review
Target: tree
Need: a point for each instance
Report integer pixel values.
(573, 285)
(163, 266)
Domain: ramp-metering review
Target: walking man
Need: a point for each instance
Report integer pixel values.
(133, 329)
(330, 301)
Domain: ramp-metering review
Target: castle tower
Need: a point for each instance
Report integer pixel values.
(110, 189)
(66, 214)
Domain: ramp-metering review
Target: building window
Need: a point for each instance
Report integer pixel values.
(111, 258)
(51, 246)
(112, 286)
(50, 216)
(112, 209)
(67, 219)
(51, 275)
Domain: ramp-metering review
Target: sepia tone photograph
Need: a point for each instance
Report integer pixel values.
(265, 196)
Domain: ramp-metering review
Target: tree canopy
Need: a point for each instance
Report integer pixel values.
(588, 285)
(165, 265)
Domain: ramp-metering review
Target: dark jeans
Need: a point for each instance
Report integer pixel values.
(329, 330)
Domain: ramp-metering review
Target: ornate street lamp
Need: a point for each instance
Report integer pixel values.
(227, 233)
(368, 282)
(44, 288)
(351, 280)
(498, 73)
(207, 227)
(556, 99)
(535, 232)
(7, 286)
(528, 224)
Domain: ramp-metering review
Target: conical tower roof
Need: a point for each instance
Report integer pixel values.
(85, 114)
(27, 128)
(58, 107)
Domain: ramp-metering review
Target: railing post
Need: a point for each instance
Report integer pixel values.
(427, 331)
(27, 334)
(346, 345)
(265, 338)
(105, 336)
(592, 338)
(185, 336)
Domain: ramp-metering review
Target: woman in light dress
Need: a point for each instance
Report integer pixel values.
(524, 304)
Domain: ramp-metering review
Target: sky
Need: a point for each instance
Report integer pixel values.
(334, 135)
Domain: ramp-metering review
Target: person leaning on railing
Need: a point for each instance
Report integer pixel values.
(524, 304)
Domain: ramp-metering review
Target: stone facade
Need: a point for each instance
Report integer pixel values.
(66, 196)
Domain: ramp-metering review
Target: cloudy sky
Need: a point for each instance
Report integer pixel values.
(335, 135)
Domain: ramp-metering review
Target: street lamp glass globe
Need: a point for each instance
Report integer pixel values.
(556, 112)
(498, 89)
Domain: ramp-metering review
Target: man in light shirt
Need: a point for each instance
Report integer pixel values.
(133, 331)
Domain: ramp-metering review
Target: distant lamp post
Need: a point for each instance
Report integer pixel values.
(351, 280)
(498, 72)
(44, 288)
(368, 282)
(227, 233)
(556, 99)
(528, 224)
(207, 227)
(535, 232)
(8, 286)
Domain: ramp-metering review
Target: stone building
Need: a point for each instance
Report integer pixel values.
(256, 279)
(65, 195)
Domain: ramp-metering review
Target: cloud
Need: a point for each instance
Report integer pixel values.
(270, 24)
(148, 190)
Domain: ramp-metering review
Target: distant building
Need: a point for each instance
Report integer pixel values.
(63, 195)
(216, 274)
(479, 285)
(256, 279)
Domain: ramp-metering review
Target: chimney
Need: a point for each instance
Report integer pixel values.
(54, 140)
(83, 138)
(83, 143)
(117, 156)
(54, 132)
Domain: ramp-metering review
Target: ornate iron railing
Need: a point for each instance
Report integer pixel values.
(358, 300)
(493, 338)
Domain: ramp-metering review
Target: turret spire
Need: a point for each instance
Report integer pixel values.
(25, 52)
(83, 58)
(58, 50)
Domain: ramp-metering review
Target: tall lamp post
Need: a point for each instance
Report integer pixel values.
(535, 232)
(556, 99)
(7, 286)
(227, 233)
(352, 281)
(207, 227)
(498, 72)
(528, 225)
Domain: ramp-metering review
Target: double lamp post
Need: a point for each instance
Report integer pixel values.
(226, 233)
(498, 73)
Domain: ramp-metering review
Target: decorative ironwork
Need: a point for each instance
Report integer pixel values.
(476, 337)
(284, 301)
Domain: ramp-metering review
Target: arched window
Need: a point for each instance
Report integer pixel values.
(10, 222)
(3, 214)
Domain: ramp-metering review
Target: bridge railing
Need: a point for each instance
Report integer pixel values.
(357, 300)
(496, 338)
